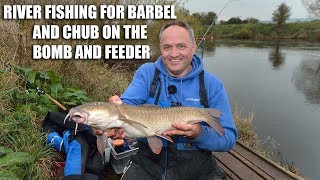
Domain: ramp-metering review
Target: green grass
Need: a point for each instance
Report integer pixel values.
(22, 111)
(20, 131)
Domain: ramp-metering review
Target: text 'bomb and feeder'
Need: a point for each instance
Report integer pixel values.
(84, 52)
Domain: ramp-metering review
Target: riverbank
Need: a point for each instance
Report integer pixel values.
(308, 31)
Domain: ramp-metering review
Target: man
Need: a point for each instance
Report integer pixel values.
(178, 84)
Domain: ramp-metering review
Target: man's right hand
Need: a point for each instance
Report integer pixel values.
(113, 133)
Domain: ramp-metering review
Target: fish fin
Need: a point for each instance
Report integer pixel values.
(166, 137)
(155, 144)
(216, 126)
(101, 143)
(213, 122)
(213, 112)
(213, 119)
(194, 121)
(131, 122)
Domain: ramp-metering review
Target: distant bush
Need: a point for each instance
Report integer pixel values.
(243, 33)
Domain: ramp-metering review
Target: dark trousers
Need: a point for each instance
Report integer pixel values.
(172, 164)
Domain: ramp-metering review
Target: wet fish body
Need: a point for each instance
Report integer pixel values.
(142, 121)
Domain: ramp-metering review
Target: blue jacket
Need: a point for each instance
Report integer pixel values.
(187, 94)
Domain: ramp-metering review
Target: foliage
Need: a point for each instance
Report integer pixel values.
(313, 6)
(15, 158)
(300, 30)
(49, 81)
(209, 18)
(23, 152)
(243, 33)
(206, 18)
(281, 14)
(238, 20)
(246, 131)
(234, 20)
(250, 21)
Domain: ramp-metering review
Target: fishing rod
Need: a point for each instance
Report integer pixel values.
(40, 91)
(213, 22)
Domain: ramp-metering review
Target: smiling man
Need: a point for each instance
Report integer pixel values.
(177, 78)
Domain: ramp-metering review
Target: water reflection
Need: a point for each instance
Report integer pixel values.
(276, 57)
(210, 46)
(206, 46)
(306, 79)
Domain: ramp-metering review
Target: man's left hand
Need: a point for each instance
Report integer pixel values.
(191, 131)
(113, 133)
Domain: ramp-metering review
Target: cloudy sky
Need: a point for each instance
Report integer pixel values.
(259, 9)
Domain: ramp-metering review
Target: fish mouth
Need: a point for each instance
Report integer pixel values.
(79, 117)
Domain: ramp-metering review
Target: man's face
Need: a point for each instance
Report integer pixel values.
(177, 50)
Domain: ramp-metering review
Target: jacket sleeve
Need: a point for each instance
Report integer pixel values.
(138, 90)
(209, 139)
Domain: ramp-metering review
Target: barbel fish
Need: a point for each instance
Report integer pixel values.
(141, 121)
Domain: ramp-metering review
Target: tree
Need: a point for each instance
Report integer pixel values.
(205, 18)
(199, 17)
(250, 21)
(313, 6)
(281, 14)
(209, 17)
(234, 20)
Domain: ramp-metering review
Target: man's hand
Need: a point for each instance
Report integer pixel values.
(115, 99)
(191, 131)
(113, 133)
(116, 133)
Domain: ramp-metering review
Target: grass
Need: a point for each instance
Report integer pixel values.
(20, 131)
(22, 111)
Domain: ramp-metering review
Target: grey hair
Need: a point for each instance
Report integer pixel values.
(181, 24)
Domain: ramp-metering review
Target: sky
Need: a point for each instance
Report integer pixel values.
(259, 9)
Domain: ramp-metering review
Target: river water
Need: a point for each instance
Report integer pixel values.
(280, 83)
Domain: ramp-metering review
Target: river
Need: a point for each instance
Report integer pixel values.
(280, 83)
